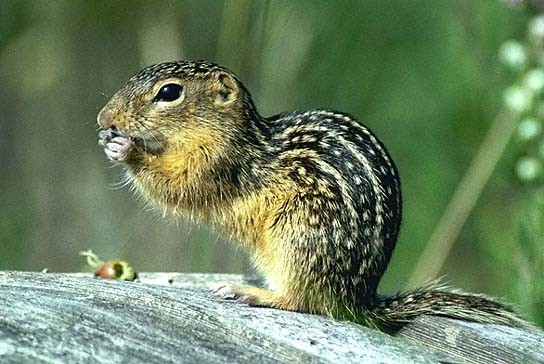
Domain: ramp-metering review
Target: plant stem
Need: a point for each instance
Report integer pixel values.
(464, 199)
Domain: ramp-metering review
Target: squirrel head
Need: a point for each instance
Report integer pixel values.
(178, 104)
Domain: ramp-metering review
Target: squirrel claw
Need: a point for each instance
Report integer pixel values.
(226, 291)
(118, 148)
(223, 291)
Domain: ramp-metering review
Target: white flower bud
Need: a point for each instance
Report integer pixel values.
(513, 54)
(517, 99)
(528, 169)
(536, 27)
(529, 128)
(534, 79)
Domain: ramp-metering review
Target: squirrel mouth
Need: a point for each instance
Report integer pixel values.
(148, 144)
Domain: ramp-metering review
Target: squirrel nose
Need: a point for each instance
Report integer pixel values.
(105, 118)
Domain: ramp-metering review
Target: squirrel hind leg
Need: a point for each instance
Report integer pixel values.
(253, 296)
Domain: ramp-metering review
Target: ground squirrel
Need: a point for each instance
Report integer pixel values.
(313, 195)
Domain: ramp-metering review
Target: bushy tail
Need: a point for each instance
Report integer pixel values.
(435, 299)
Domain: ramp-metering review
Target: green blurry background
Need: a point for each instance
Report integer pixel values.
(423, 75)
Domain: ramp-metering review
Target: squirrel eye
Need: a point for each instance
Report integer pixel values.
(169, 92)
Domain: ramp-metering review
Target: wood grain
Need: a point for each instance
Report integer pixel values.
(171, 318)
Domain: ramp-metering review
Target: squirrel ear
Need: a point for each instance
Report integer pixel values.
(228, 89)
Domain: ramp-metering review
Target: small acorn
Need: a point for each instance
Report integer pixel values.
(112, 269)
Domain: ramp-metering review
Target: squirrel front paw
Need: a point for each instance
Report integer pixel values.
(226, 291)
(116, 146)
(252, 296)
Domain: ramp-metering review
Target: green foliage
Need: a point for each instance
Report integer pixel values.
(529, 287)
(525, 98)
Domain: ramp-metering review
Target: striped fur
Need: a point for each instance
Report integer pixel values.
(313, 195)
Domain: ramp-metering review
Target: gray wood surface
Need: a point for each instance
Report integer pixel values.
(171, 318)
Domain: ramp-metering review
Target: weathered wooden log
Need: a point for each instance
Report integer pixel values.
(171, 318)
